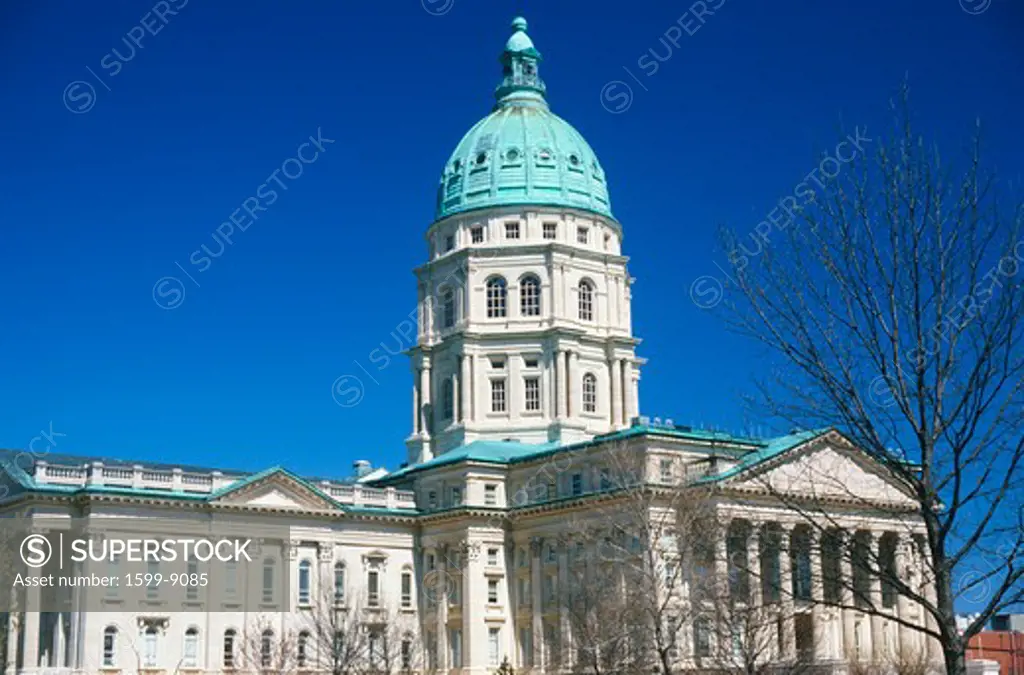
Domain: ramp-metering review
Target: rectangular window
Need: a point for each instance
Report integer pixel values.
(152, 586)
(492, 557)
(498, 396)
(701, 638)
(477, 234)
(406, 590)
(511, 230)
(494, 646)
(455, 644)
(577, 484)
(268, 580)
(109, 648)
(530, 361)
(456, 496)
(524, 591)
(491, 494)
(373, 588)
(115, 561)
(666, 470)
(449, 242)
(582, 235)
(497, 362)
(150, 651)
(192, 590)
(406, 655)
(550, 230)
(492, 591)
(606, 481)
(432, 499)
(526, 646)
(549, 589)
(531, 387)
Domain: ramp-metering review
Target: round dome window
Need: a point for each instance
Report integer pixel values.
(481, 158)
(574, 160)
(512, 155)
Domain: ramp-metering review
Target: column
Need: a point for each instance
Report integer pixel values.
(441, 593)
(13, 636)
(903, 557)
(421, 294)
(574, 378)
(561, 395)
(465, 386)
(629, 391)
(721, 580)
(425, 411)
(754, 563)
(456, 398)
(615, 375)
(935, 655)
(563, 610)
(31, 627)
(875, 595)
(535, 588)
(415, 401)
(846, 595)
(786, 594)
(821, 648)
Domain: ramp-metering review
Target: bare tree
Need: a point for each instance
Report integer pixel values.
(893, 304)
(634, 557)
(344, 635)
(265, 646)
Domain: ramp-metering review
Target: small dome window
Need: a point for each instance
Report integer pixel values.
(544, 155)
(481, 158)
(457, 165)
(512, 155)
(574, 159)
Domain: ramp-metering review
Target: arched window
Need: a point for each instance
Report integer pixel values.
(304, 572)
(339, 583)
(229, 647)
(447, 399)
(268, 580)
(190, 653)
(150, 650)
(497, 294)
(589, 393)
(302, 655)
(529, 296)
(266, 648)
(586, 300)
(447, 307)
(110, 646)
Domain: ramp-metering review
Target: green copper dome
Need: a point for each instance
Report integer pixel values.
(522, 153)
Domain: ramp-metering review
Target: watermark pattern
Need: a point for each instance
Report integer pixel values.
(971, 304)
(39, 447)
(617, 95)
(169, 291)
(975, 6)
(80, 95)
(881, 391)
(706, 291)
(437, 7)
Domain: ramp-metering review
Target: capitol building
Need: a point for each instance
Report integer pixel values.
(541, 522)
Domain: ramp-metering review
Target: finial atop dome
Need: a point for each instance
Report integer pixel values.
(521, 83)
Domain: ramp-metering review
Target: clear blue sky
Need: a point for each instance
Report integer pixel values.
(95, 207)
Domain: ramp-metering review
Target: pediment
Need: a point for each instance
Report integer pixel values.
(277, 489)
(827, 468)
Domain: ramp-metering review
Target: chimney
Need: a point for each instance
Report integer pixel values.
(362, 467)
